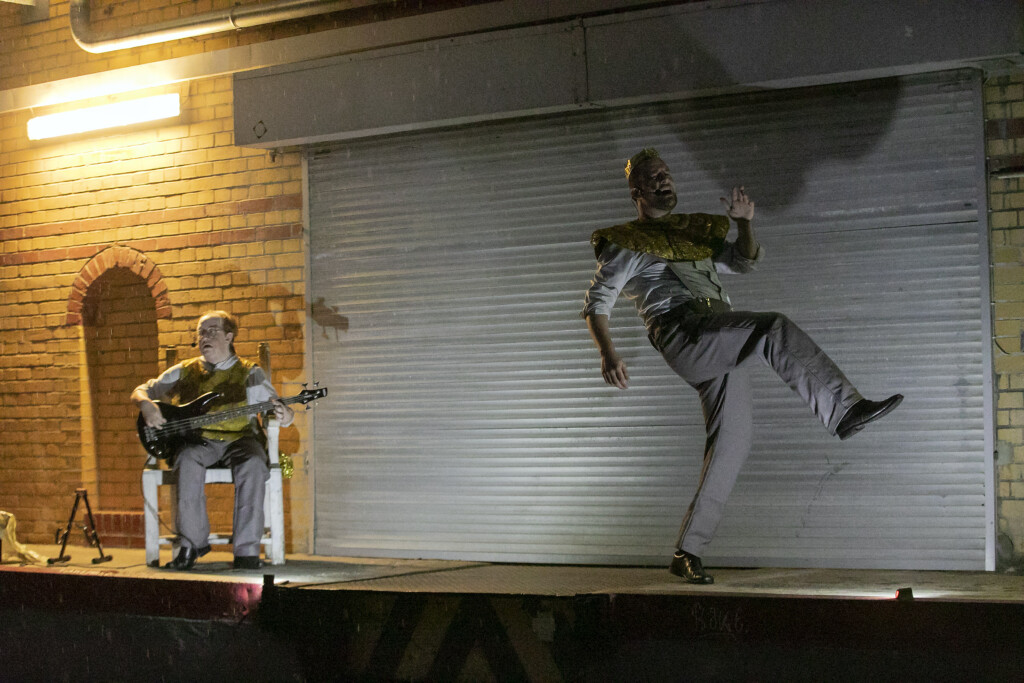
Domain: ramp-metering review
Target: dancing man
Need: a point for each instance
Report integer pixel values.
(668, 264)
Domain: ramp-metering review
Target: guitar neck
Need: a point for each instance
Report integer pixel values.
(251, 409)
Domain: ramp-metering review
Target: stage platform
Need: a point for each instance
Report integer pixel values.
(322, 618)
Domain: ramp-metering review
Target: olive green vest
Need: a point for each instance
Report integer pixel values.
(196, 380)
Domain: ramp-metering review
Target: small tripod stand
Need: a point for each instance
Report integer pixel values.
(91, 537)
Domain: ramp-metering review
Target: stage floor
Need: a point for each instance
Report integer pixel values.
(340, 619)
(311, 572)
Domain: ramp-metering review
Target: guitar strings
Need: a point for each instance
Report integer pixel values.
(190, 424)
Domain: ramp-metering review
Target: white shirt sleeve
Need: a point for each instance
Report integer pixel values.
(733, 262)
(615, 267)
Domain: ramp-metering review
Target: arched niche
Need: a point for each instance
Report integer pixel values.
(115, 301)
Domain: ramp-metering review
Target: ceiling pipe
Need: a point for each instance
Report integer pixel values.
(245, 16)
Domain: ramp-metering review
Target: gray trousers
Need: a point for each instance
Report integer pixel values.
(708, 351)
(248, 462)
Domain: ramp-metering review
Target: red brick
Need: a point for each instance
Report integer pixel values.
(124, 257)
(91, 271)
(288, 201)
(143, 267)
(1003, 129)
(82, 252)
(256, 205)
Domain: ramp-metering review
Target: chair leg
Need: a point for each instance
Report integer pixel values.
(151, 514)
(274, 512)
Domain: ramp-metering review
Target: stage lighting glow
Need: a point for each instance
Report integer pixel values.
(104, 116)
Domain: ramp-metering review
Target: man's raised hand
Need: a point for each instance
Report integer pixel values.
(741, 207)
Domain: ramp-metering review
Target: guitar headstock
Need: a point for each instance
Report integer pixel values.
(308, 395)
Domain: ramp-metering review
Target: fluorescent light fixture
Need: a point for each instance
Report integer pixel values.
(104, 116)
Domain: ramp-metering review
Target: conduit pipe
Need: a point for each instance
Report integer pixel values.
(245, 16)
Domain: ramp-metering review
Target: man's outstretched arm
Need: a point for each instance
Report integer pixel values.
(613, 368)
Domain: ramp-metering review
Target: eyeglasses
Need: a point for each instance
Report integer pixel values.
(208, 331)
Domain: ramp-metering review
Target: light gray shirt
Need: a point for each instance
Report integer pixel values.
(657, 286)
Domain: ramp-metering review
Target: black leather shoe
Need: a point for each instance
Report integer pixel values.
(863, 412)
(247, 562)
(690, 568)
(186, 558)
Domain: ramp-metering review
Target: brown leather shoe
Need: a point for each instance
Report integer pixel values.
(864, 412)
(690, 568)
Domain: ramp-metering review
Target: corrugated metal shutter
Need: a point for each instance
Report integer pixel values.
(467, 417)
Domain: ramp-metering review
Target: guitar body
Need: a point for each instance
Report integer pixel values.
(163, 444)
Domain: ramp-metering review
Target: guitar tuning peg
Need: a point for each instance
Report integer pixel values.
(304, 385)
(316, 384)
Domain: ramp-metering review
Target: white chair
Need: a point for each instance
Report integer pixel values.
(273, 503)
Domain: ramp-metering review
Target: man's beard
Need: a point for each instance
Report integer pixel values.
(664, 202)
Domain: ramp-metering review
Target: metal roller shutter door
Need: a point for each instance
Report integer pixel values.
(468, 419)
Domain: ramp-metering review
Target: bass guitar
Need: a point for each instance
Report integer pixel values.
(185, 422)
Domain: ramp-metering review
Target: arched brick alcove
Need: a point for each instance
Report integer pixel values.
(118, 257)
(115, 301)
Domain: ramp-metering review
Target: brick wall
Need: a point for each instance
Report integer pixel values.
(204, 223)
(177, 218)
(1004, 132)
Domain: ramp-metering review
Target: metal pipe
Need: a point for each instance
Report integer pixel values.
(238, 17)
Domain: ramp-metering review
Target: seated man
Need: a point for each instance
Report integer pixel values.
(237, 442)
